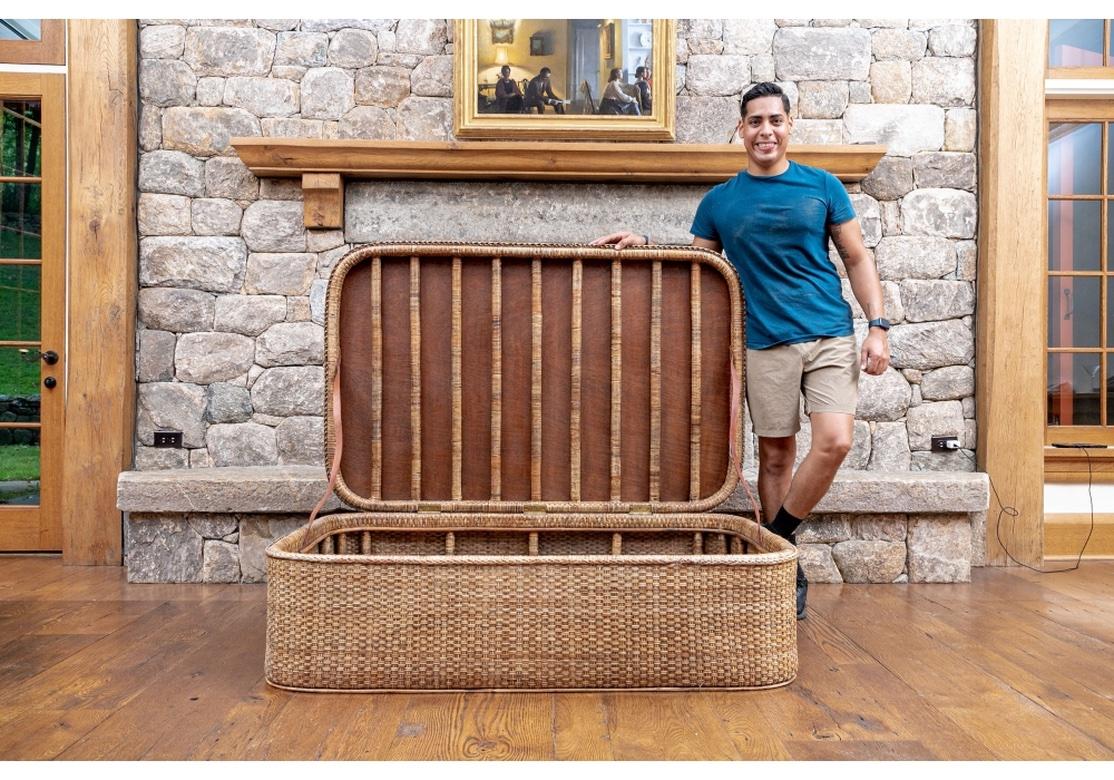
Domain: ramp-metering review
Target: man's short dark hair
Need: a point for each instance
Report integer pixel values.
(640, 71)
(764, 89)
(544, 72)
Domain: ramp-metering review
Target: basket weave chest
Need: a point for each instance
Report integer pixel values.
(534, 436)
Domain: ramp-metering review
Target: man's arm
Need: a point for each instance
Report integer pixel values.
(848, 240)
(624, 238)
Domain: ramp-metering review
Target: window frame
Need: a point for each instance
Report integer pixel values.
(50, 49)
(1061, 110)
(1095, 72)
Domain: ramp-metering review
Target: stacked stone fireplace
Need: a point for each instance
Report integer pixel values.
(231, 300)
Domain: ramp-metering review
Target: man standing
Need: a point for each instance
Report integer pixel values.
(774, 220)
(539, 94)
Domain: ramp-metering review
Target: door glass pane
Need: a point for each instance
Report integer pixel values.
(1074, 240)
(19, 302)
(21, 130)
(21, 29)
(19, 466)
(21, 221)
(1075, 43)
(1110, 388)
(19, 385)
(1110, 312)
(1109, 156)
(1074, 158)
(1074, 384)
(1074, 316)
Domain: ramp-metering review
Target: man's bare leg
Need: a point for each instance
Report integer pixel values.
(775, 471)
(831, 441)
(788, 498)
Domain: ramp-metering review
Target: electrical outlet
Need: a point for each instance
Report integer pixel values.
(945, 443)
(168, 439)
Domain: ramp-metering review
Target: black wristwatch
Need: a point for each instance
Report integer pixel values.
(881, 322)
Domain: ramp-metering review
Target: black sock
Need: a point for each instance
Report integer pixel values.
(784, 524)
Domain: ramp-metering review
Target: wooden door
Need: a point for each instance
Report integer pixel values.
(32, 306)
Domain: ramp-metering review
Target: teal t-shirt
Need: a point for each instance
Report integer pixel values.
(774, 230)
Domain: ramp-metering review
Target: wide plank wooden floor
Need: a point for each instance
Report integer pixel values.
(1013, 666)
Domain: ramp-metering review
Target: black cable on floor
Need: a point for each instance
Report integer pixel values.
(1013, 512)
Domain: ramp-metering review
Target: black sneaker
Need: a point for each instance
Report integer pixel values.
(802, 592)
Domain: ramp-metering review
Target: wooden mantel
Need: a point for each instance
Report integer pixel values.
(324, 165)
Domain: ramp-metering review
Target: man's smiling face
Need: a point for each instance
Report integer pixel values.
(765, 130)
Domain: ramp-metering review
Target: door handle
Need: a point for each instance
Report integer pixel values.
(50, 357)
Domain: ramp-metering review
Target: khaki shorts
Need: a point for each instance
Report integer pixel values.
(825, 370)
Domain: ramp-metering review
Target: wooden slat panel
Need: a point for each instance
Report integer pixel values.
(655, 385)
(577, 377)
(676, 390)
(415, 379)
(534, 364)
(376, 377)
(556, 380)
(715, 391)
(496, 379)
(695, 421)
(457, 381)
(616, 351)
(517, 356)
(635, 386)
(1011, 286)
(536, 380)
(476, 379)
(595, 393)
(100, 380)
(397, 436)
(356, 381)
(436, 378)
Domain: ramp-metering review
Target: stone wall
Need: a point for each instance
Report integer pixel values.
(232, 287)
(884, 548)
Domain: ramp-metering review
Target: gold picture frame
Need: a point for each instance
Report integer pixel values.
(578, 52)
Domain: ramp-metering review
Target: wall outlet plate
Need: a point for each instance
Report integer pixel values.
(168, 439)
(945, 443)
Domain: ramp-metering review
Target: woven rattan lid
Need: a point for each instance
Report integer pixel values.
(481, 378)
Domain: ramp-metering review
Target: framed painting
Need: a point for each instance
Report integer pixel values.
(590, 79)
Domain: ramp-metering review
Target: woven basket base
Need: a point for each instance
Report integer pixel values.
(491, 621)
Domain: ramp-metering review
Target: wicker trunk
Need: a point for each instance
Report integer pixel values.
(535, 435)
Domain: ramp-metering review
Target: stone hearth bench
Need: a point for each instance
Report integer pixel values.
(213, 524)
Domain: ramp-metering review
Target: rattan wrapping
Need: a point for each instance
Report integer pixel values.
(477, 589)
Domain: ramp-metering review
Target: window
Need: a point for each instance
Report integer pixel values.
(1080, 274)
(1078, 43)
(33, 41)
(21, 30)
